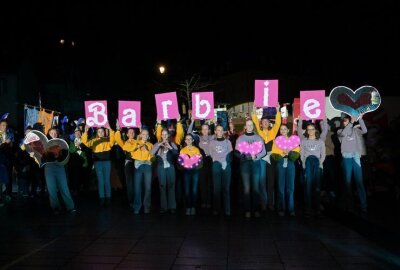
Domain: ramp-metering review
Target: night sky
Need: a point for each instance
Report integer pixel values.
(119, 45)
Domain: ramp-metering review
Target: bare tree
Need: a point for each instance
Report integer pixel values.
(186, 87)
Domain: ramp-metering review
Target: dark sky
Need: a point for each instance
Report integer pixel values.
(120, 43)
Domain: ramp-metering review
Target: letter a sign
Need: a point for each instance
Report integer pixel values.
(312, 104)
(96, 113)
(203, 105)
(129, 113)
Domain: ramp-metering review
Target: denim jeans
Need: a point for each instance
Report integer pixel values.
(191, 181)
(103, 172)
(166, 179)
(142, 177)
(312, 183)
(263, 182)
(221, 182)
(129, 170)
(250, 171)
(205, 182)
(56, 179)
(286, 178)
(353, 164)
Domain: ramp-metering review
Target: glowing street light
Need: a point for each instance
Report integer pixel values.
(62, 41)
(161, 69)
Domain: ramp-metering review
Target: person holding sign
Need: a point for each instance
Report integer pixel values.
(141, 152)
(220, 152)
(285, 151)
(250, 149)
(312, 157)
(129, 168)
(204, 140)
(267, 175)
(101, 148)
(350, 138)
(176, 131)
(190, 161)
(56, 179)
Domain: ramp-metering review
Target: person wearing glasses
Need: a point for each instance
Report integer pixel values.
(190, 175)
(312, 157)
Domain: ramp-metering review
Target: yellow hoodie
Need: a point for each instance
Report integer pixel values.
(269, 134)
(99, 145)
(190, 151)
(179, 133)
(136, 152)
(127, 145)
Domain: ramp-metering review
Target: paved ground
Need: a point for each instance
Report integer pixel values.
(113, 238)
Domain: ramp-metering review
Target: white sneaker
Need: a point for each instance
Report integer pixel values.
(188, 211)
(193, 211)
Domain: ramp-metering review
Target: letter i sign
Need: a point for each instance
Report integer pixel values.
(266, 93)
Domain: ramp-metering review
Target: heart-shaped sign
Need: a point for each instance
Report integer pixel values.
(189, 162)
(365, 99)
(45, 150)
(250, 148)
(288, 144)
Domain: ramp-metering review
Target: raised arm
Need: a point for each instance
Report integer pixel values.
(85, 140)
(324, 128)
(190, 128)
(179, 133)
(112, 137)
(158, 131)
(300, 129)
(363, 126)
(256, 122)
(118, 138)
(278, 121)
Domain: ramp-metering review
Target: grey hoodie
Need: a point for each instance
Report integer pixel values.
(350, 137)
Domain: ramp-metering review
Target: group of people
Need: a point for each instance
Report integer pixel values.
(214, 158)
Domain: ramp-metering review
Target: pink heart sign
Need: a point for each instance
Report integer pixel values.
(189, 162)
(290, 143)
(250, 148)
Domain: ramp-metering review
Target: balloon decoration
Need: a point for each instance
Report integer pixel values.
(284, 143)
(187, 162)
(45, 150)
(365, 99)
(250, 148)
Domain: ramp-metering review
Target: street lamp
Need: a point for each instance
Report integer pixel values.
(161, 69)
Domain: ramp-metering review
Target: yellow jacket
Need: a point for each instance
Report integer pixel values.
(127, 145)
(276, 150)
(190, 151)
(136, 153)
(179, 133)
(99, 145)
(269, 134)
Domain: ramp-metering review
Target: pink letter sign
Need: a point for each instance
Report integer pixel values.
(312, 104)
(203, 105)
(266, 93)
(167, 106)
(96, 113)
(129, 113)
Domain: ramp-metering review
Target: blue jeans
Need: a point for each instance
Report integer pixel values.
(142, 177)
(221, 181)
(56, 179)
(103, 172)
(312, 183)
(191, 180)
(350, 165)
(129, 170)
(166, 179)
(285, 184)
(263, 182)
(250, 171)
